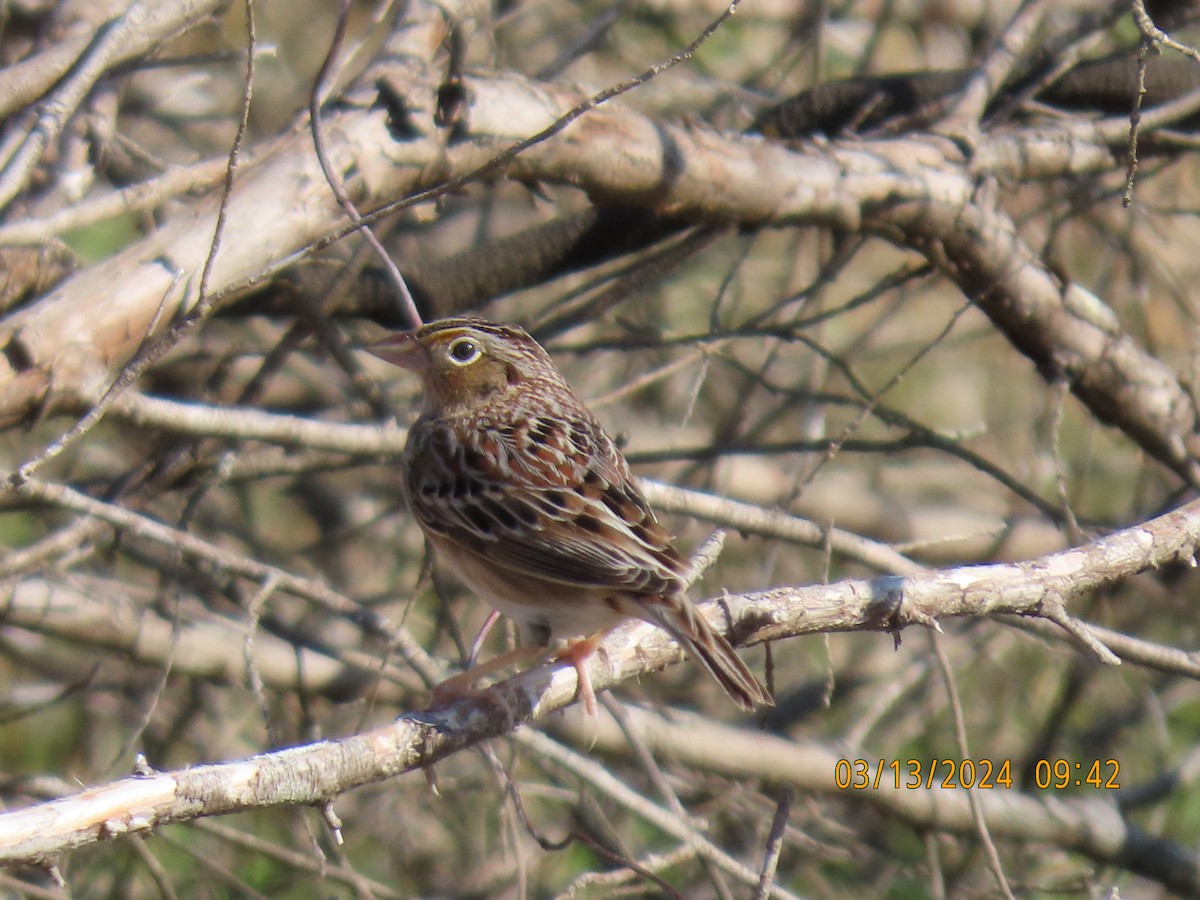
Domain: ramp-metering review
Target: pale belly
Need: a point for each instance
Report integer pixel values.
(543, 609)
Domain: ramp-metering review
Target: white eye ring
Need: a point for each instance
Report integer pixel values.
(463, 352)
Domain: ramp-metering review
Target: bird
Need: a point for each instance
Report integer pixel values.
(519, 489)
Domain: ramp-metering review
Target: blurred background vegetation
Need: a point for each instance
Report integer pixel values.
(831, 375)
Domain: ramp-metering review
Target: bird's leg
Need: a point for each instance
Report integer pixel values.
(463, 684)
(477, 644)
(577, 653)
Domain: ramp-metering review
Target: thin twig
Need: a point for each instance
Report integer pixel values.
(1053, 608)
(964, 752)
(409, 305)
(154, 350)
(603, 780)
(1153, 33)
(253, 676)
(311, 589)
(783, 808)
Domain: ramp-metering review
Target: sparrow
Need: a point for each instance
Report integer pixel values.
(525, 498)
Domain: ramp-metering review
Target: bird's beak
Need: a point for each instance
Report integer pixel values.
(401, 349)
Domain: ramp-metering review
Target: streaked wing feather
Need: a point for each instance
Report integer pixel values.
(548, 497)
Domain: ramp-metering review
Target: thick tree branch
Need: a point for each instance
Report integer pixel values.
(1091, 825)
(318, 772)
(916, 191)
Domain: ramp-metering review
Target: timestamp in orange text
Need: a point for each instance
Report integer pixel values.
(915, 774)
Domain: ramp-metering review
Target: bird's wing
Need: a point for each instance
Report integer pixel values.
(542, 495)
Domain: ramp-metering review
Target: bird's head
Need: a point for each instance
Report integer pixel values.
(465, 362)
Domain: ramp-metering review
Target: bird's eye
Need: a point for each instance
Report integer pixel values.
(464, 351)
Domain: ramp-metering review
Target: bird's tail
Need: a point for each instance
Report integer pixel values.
(679, 618)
